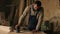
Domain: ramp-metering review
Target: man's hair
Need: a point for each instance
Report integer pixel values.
(38, 3)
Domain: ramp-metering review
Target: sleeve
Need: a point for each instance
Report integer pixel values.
(23, 15)
(40, 19)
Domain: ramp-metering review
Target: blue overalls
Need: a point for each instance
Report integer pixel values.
(32, 21)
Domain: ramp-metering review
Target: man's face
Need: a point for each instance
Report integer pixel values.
(36, 7)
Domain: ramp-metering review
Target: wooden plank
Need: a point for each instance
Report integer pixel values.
(27, 33)
(6, 30)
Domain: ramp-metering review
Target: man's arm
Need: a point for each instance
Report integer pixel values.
(23, 15)
(40, 20)
(38, 24)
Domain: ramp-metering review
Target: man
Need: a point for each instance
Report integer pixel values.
(35, 13)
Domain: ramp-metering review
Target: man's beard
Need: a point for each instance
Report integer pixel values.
(36, 9)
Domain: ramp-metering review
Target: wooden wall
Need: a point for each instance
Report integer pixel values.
(51, 8)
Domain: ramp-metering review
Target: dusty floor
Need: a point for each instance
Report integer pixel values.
(6, 30)
(2, 32)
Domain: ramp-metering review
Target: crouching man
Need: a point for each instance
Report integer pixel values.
(35, 13)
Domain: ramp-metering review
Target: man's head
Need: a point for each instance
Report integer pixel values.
(36, 5)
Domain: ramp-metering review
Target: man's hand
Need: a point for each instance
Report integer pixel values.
(35, 31)
(16, 26)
